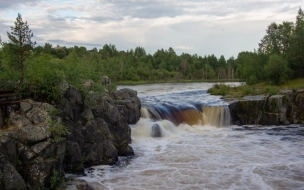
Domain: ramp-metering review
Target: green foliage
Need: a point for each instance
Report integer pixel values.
(276, 71)
(49, 66)
(55, 181)
(245, 90)
(242, 90)
(250, 66)
(58, 131)
(272, 90)
(54, 113)
(296, 49)
(219, 89)
(19, 46)
(252, 80)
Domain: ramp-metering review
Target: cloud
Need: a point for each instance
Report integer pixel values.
(4, 4)
(195, 26)
(183, 47)
(66, 43)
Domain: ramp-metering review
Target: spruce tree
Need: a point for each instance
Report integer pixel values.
(20, 44)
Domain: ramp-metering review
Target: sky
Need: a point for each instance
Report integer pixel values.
(202, 27)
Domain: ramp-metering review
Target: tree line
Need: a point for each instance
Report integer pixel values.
(280, 57)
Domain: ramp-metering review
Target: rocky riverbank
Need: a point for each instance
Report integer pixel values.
(40, 142)
(283, 109)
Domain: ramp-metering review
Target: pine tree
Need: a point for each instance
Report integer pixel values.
(20, 44)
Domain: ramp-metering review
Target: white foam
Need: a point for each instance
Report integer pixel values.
(143, 128)
(206, 157)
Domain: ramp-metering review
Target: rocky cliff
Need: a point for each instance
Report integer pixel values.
(39, 141)
(283, 109)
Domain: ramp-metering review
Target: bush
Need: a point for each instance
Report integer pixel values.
(252, 80)
(219, 89)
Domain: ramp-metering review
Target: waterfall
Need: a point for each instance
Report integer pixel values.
(160, 120)
(218, 116)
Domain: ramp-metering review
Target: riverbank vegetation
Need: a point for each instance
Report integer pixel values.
(231, 91)
(278, 60)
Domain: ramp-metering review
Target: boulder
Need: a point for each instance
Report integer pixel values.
(72, 162)
(8, 147)
(37, 115)
(119, 128)
(128, 104)
(98, 147)
(32, 134)
(25, 107)
(39, 172)
(10, 179)
(18, 120)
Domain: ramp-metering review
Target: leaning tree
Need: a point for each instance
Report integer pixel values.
(20, 45)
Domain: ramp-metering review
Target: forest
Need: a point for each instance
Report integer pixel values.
(279, 58)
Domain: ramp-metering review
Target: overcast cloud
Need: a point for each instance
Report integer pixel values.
(220, 27)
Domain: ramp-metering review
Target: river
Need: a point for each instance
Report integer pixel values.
(184, 140)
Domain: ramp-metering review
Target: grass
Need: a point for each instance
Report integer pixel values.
(257, 89)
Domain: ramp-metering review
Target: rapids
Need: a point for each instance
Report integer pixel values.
(184, 140)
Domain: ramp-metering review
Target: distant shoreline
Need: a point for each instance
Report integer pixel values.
(175, 81)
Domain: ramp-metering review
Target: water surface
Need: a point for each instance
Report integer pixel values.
(200, 155)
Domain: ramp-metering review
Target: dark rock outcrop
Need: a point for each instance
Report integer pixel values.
(30, 148)
(34, 151)
(1, 118)
(128, 104)
(99, 131)
(283, 109)
(10, 179)
(90, 141)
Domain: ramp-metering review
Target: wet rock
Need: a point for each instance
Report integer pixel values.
(248, 110)
(299, 106)
(286, 108)
(156, 131)
(75, 184)
(275, 110)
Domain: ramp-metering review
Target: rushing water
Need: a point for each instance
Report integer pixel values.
(184, 140)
